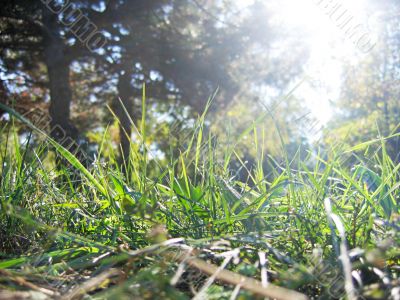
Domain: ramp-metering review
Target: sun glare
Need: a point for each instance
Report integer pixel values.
(328, 28)
(334, 32)
(330, 36)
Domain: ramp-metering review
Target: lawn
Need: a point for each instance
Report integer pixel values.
(324, 227)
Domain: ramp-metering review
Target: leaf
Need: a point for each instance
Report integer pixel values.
(12, 262)
(373, 182)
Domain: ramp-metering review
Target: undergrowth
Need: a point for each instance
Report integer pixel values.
(326, 226)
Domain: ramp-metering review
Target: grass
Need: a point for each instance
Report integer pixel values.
(324, 227)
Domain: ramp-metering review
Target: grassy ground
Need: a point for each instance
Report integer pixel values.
(326, 227)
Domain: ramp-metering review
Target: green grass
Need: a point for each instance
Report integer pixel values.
(327, 225)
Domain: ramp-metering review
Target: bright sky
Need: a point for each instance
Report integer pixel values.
(319, 24)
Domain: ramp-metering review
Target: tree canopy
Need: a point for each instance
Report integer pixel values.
(76, 55)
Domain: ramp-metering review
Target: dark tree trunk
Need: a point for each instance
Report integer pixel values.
(61, 129)
(125, 93)
(3, 96)
(59, 82)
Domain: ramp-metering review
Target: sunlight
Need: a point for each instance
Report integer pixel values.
(328, 31)
(334, 31)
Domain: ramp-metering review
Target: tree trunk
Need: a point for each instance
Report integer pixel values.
(59, 82)
(3, 96)
(61, 129)
(125, 92)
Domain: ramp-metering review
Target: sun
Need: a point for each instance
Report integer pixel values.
(334, 31)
